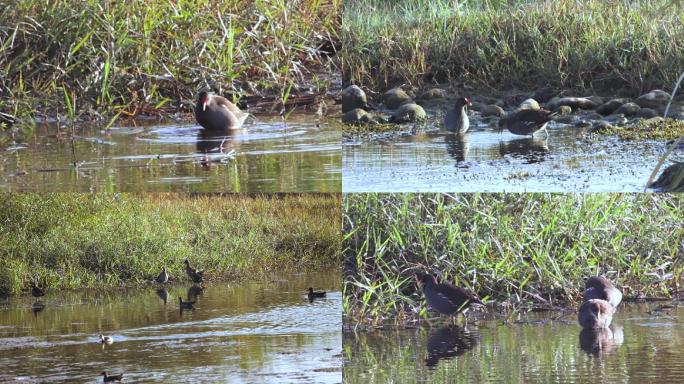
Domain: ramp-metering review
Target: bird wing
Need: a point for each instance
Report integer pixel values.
(454, 293)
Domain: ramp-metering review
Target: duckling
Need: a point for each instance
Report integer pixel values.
(186, 304)
(110, 378)
(313, 294)
(197, 276)
(106, 339)
(163, 276)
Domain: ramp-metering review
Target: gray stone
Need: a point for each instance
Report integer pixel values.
(395, 97)
(564, 110)
(601, 125)
(617, 119)
(628, 109)
(573, 102)
(646, 113)
(408, 113)
(528, 104)
(609, 107)
(654, 99)
(353, 97)
(358, 116)
(492, 110)
(434, 93)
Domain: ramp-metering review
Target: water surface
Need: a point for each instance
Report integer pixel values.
(639, 347)
(299, 155)
(239, 333)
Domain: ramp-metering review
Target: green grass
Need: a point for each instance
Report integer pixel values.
(83, 240)
(519, 249)
(140, 57)
(669, 129)
(593, 44)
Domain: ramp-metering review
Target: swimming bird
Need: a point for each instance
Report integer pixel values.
(527, 121)
(186, 304)
(313, 294)
(37, 292)
(163, 276)
(446, 298)
(216, 113)
(456, 119)
(595, 313)
(106, 339)
(110, 378)
(197, 276)
(598, 287)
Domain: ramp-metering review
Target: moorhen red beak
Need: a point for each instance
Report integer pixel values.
(216, 113)
(595, 313)
(598, 287)
(446, 298)
(456, 120)
(527, 122)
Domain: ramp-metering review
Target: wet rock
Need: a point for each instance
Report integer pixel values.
(353, 97)
(434, 93)
(564, 110)
(628, 109)
(567, 119)
(646, 113)
(616, 119)
(593, 116)
(545, 94)
(492, 110)
(478, 106)
(395, 97)
(671, 180)
(601, 125)
(583, 124)
(654, 99)
(358, 116)
(573, 102)
(598, 100)
(528, 104)
(408, 113)
(653, 120)
(609, 107)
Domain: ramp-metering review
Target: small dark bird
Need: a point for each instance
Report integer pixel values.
(313, 294)
(216, 113)
(197, 276)
(37, 292)
(163, 276)
(186, 304)
(110, 378)
(595, 313)
(446, 298)
(456, 119)
(527, 121)
(598, 287)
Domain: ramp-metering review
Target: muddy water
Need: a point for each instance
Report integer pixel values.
(269, 156)
(569, 160)
(239, 333)
(639, 348)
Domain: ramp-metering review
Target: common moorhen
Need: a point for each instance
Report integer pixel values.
(314, 294)
(109, 378)
(186, 304)
(598, 287)
(197, 276)
(163, 276)
(216, 113)
(595, 313)
(456, 119)
(37, 292)
(527, 121)
(446, 298)
(106, 339)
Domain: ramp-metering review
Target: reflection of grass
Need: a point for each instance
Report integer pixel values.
(78, 240)
(512, 247)
(590, 44)
(649, 130)
(148, 56)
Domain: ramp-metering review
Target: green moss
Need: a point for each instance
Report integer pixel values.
(651, 129)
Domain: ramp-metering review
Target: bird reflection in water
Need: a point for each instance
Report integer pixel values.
(448, 342)
(533, 150)
(457, 146)
(163, 294)
(216, 143)
(601, 341)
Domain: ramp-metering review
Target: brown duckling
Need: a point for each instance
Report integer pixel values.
(595, 313)
(446, 298)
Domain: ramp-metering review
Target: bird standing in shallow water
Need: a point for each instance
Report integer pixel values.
(598, 287)
(456, 119)
(216, 113)
(110, 378)
(313, 294)
(106, 340)
(595, 313)
(446, 298)
(527, 121)
(186, 304)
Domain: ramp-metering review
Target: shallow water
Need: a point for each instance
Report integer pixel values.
(239, 333)
(639, 348)
(268, 156)
(569, 160)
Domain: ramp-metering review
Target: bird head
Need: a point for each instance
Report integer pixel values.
(203, 98)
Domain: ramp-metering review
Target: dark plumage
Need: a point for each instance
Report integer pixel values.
(598, 287)
(216, 113)
(595, 313)
(456, 119)
(313, 294)
(527, 121)
(163, 276)
(186, 304)
(197, 276)
(37, 292)
(446, 298)
(109, 378)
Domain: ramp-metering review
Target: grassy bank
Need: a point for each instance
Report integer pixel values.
(531, 249)
(143, 57)
(82, 240)
(592, 44)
